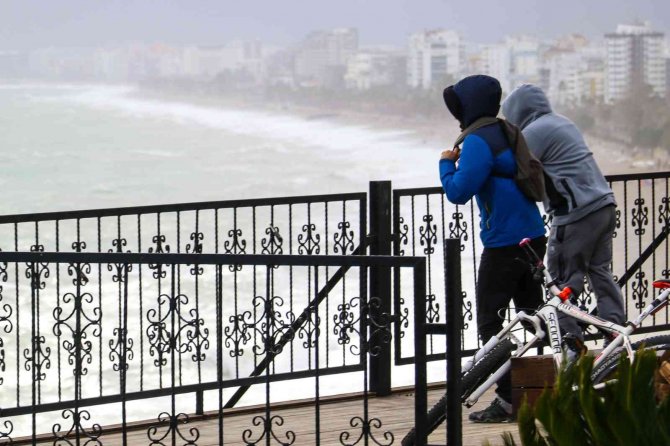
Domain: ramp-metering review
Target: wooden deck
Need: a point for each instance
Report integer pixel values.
(395, 413)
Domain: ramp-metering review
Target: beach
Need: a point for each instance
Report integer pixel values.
(435, 133)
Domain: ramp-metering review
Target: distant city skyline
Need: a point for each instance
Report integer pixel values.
(31, 24)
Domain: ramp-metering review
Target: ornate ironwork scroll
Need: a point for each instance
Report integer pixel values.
(308, 241)
(171, 425)
(163, 340)
(160, 248)
(272, 244)
(236, 245)
(428, 235)
(344, 239)
(76, 431)
(268, 432)
(82, 304)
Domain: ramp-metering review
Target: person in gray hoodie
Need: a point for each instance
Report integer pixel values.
(579, 200)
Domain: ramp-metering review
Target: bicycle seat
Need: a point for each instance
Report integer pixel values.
(662, 283)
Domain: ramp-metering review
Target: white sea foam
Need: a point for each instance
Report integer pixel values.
(321, 133)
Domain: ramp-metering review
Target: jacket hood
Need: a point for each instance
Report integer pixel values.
(472, 98)
(525, 104)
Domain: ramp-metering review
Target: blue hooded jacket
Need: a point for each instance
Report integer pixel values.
(486, 168)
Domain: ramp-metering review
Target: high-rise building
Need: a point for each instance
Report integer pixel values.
(524, 62)
(375, 67)
(634, 57)
(575, 72)
(433, 56)
(493, 60)
(321, 58)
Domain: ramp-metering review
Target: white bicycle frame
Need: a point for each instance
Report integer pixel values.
(548, 314)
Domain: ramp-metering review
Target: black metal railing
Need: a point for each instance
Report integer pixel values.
(304, 225)
(94, 339)
(423, 218)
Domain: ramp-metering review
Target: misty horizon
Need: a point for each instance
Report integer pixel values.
(31, 25)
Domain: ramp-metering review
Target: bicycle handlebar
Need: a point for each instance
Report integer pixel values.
(566, 293)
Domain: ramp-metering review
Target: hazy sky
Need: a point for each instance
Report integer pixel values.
(28, 24)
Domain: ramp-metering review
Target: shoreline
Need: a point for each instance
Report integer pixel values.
(613, 158)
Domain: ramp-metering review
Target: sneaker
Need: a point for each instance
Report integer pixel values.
(500, 411)
(573, 347)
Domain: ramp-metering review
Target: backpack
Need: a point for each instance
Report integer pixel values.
(529, 175)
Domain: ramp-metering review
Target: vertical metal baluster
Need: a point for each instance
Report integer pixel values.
(290, 274)
(197, 311)
(141, 319)
(309, 285)
(344, 284)
(268, 346)
(326, 281)
(219, 347)
(178, 341)
(625, 238)
(60, 397)
(174, 309)
(18, 337)
(33, 339)
(123, 368)
(78, 358)
(36, 314)
(317, 415)
(235, 302)
(363, 272)
(160, 311)
(99, 249)
(429, 256)
(653, 235)
(254, 284)
(365, 350)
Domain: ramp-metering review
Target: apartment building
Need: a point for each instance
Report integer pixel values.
(321, 58)
(433, 56)
(375, 67)
(635, 56)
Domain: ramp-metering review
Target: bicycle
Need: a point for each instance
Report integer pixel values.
(493, 359)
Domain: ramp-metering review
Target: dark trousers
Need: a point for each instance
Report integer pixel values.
(504, 276)
(584, 248)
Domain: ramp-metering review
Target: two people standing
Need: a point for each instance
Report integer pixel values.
(578, 199)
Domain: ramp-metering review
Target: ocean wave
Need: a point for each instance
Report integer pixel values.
(320, 133)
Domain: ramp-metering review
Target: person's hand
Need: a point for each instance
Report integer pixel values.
(452, 154)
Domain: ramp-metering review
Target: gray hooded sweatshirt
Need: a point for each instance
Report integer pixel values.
(575, 185)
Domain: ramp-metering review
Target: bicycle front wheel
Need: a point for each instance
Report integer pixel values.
(607, 370)
(470, 380)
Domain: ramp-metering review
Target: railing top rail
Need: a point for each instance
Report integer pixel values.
(180, 207)
(611, 178)
(209, 259)
(638, 176)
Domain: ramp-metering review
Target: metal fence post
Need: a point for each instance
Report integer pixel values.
(420, 363)
(454, 322)
(380, 279)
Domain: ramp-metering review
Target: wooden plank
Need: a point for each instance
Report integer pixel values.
(337, 420)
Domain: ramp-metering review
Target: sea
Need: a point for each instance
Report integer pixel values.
(68, 147)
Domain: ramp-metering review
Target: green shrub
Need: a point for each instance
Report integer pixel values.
(624, 413)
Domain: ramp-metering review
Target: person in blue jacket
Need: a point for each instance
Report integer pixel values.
(483, 168)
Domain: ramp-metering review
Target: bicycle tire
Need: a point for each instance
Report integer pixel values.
(609, 366)
(470, 380)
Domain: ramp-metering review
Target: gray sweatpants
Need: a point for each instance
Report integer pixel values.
(584, 248)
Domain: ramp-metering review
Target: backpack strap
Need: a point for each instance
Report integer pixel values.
(479, 123)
